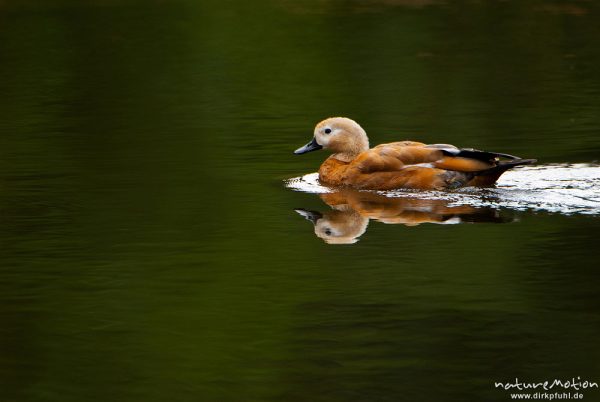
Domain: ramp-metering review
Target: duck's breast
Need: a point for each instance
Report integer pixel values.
(333, 172)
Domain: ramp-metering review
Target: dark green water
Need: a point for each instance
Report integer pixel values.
(149, 249)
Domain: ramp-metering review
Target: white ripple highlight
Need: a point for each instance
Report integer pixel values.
(560, 188)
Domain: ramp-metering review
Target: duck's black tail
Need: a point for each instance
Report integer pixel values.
(500, 162)
(490, 176)
(503, 166)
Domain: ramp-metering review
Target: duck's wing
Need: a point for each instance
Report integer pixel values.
(415, 165)
(393, 157)
(451, 150)
(475, 160)
(402, 165)
(401, 155)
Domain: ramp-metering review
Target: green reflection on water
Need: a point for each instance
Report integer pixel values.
(150, 251)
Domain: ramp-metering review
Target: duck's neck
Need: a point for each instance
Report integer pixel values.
(344, 157)
(352, 150)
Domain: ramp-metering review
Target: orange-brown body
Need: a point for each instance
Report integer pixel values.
(397, 165)
(404, 164)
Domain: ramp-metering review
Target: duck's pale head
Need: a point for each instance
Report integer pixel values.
(340, 135)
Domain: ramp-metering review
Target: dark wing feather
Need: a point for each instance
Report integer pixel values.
(484, 156)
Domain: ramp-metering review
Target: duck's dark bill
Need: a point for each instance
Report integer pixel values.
(311, 146)
(312, 216)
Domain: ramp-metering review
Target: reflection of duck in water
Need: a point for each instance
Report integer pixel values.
(351, 211)
(404, 164)
(337, 226)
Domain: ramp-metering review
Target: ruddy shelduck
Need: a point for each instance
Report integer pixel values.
(403, 164)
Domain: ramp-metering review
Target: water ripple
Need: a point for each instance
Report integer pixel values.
(559, 188)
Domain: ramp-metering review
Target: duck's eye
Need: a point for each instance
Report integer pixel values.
(327, 131)
(328, 232)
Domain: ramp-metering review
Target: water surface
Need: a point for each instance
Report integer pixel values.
(150, 250)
